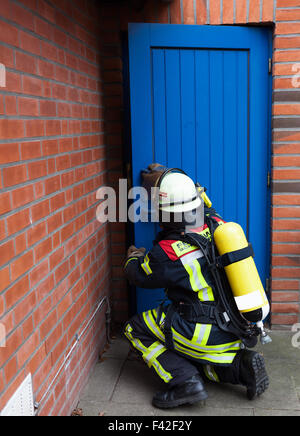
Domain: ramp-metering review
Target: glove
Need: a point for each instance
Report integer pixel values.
(133, 251)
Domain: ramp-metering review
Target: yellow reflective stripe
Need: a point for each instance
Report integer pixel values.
(214, 358)
(135, 342)
(206, 293)
(152, 326)
(131, 258)
(211, 373)
(192, 278)
(198, 282)
(153, 352)
(201, 334)
(222, 348)
(146, 266)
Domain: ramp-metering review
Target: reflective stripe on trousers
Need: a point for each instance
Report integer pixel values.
(150, 354)
(197, 347)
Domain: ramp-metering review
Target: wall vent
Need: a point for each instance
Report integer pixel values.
(21, 403)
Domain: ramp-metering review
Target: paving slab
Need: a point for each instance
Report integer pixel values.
(122, 385)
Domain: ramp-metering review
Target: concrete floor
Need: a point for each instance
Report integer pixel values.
(122, 385)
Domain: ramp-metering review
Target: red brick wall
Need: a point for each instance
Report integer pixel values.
(62, 137)
(54, 255)
(285, 14)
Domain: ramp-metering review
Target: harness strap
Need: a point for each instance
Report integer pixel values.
(235, 256)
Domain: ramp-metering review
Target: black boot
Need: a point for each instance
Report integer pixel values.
(189, 392)
(252, 373)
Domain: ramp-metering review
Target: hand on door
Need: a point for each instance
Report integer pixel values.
(134, 251)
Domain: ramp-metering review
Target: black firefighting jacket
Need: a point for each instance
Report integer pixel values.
(176, 265)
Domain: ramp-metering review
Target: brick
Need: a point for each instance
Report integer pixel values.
(2, 229)
(28, 106)
(50, 147)
(14, 175)
(285, 249)
(18, 221)
(16, 292)
(9, 153)
(46, 69)
(11, 105)
(285, 308)
(25, 63)
(35, 128)
(268, 11)
(28, 348)
(286, 161)
(54, 222)
(46, 11)
(11, 129)
(254, 11)
(287, 3)
(241, 11)
(9, 34)
(286, 42)
(22, 16)
(227, 12)
(5, 203)
(37, 169)
(22, 196)
(21, 265)
(7, 57)
(175, 12)
(286, 212)
(42, 250)
(32, 85)
(40, 210)
(30, 43)
(49, 51)
(287, 28)
(53, 127)
(10, 369)
(36, 233)
(286, 109)
(4, 277)
(48, 108)
(52, 185)
(31, 150)
(43, 28)
(281, 272)
(188, 12)
(61, 74)
(286, 236)
(285, 297)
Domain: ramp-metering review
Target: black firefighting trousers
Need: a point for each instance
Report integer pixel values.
(198, 348)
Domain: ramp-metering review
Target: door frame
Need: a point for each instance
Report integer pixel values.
(144, 36)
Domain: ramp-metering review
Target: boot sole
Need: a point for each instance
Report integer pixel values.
(260, 376)
(201, 396)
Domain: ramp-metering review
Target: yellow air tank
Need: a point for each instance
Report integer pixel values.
(242, 275)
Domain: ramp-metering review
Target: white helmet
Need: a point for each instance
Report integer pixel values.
(178, 193)
(179, 203)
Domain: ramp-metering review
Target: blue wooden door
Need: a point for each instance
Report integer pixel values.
(200, 102)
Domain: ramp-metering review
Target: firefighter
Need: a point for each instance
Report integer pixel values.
(181, 340)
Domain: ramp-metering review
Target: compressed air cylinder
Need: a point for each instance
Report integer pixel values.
(243, 277)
